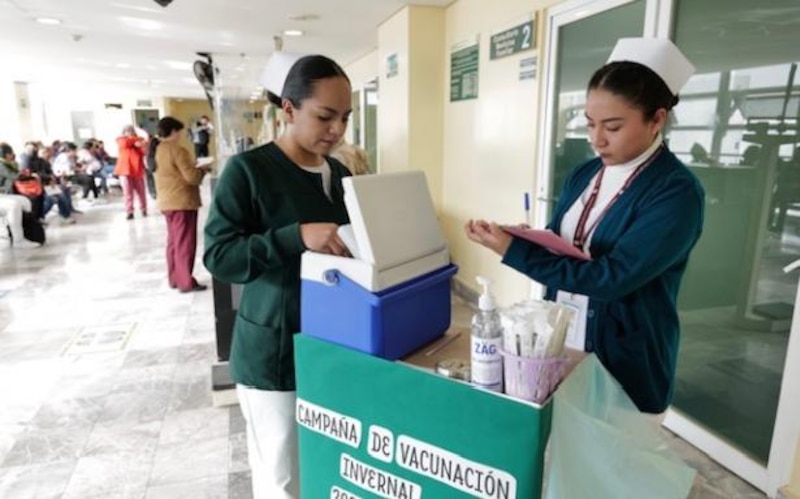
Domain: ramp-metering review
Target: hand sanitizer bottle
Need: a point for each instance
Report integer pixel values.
(487, 339)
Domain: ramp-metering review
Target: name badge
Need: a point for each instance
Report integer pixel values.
(579, 305)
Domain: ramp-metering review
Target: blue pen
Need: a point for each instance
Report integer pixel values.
(527, 209)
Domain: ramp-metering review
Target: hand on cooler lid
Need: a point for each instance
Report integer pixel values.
(322, 238)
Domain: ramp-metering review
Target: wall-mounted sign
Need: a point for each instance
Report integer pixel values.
(527, 68)
(392, 68)
(464, 72)
(513, 40)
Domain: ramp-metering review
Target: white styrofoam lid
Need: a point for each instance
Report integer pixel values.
(393, 218)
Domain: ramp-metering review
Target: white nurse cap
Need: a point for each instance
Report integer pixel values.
(658, 54)
(277, 69)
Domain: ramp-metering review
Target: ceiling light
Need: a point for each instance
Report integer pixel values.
(48, 20)
(179, 65)
(293, 32)
(141, 23)
(135, 7)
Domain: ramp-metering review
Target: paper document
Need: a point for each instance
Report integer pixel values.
(201, 162)
(548, 240)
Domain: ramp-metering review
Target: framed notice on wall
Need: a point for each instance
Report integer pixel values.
(514, 40)
(464, 60)
(392, 66)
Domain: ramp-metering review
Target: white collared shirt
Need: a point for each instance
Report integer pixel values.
(325, 170)
(613, 180)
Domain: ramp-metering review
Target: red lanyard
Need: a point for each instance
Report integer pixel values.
(581, 232)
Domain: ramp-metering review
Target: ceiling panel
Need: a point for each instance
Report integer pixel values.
(137, 43)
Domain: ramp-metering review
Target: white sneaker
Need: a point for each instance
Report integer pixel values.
(25, 244)
(68, 221)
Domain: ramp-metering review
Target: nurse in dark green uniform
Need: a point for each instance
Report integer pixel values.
(636, 210)
(270, 204)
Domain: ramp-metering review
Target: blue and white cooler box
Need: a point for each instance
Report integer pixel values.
(393, 296)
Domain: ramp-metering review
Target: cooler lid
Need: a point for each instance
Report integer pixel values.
(392, 217)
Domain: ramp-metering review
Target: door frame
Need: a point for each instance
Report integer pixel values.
(558, 16)
(786, 432)
(659, 22)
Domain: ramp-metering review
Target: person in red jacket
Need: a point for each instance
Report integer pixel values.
(130, 168)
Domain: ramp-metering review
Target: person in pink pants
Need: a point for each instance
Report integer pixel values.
(130, 169)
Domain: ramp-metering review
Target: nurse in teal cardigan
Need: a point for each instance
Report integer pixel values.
(636, 210)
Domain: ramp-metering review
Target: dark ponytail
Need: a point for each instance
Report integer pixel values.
(636, 83)
(304, 74)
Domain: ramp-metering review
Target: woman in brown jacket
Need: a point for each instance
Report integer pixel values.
(178, 186)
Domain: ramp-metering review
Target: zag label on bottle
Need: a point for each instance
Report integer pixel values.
(487, 363)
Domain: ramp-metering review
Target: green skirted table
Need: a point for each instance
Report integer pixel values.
(375, 428)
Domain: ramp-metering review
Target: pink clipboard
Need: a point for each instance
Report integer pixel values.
(548, 240)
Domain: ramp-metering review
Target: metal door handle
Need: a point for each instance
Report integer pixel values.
(792, 266)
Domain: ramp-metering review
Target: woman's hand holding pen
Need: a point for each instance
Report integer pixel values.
(322, 238)
(489, 235)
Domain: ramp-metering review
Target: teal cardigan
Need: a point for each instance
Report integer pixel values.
(252, 237)
(640, 250)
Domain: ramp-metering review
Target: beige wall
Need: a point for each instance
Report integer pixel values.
(479, 156)
(410, 113)
(393, 118)
(363, 69)
(426, 105)
(188, 111)
(23, 105)
(490, 144)
(10, 129)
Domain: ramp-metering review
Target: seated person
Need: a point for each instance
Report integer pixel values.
(751, 156)
(87, 166)
(9, 169)
(56, 192)
(12, 208)
(700, 155)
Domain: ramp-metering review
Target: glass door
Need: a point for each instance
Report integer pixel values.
(736, 127)
(355, 118)
(581, 36)
(371, 124)
(737, 394)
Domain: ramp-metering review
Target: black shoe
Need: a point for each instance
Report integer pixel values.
(144, 213)
(195, 287)
(129, 217)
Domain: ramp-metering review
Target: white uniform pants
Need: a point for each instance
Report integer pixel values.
(271, 442)
(12, 207)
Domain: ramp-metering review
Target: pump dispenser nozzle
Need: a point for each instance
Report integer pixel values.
(486, 300)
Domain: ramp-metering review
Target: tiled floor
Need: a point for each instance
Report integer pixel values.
(128, 414)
